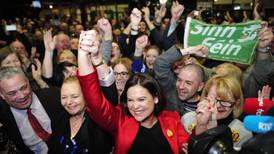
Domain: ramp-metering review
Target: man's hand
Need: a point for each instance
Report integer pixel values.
(105, 28)
(265, 36)
(199, 50)
(176, 11)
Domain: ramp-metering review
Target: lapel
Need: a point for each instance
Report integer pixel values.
(130, 127)
(169, 130)
(11, 126)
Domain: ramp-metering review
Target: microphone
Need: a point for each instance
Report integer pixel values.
(254, 107)
(259, 124)
(239, 133)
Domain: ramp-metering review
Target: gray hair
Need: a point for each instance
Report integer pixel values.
(9, 72)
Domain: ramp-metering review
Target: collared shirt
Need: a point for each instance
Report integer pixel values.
(172, 27)
(36, 144)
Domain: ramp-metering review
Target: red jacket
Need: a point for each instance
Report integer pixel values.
(123, 127)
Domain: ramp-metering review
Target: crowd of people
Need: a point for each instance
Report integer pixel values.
(123, 87)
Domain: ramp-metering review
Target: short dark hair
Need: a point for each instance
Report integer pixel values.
(58, 75)
(198, 69)
(149, 83)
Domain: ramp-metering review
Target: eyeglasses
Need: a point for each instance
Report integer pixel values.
(121, 74)
(225, 103)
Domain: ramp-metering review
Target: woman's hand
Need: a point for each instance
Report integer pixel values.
(89, 43)
(37, 74)
(49, 41)
(206, 113)
(135, 18)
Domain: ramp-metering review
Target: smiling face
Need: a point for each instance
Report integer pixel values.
(62, 42)
(150, 57)
(11, 60)
(16, 91)
(19, 47)
(121, 75)
(67, 56)
(223, 111)
(72, 98)
(141, 104)
(188, 84)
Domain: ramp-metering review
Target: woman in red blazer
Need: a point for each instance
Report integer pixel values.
(139, 124)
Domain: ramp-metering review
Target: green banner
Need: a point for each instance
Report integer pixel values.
(234, 43)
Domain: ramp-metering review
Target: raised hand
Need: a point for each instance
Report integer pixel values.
(176, 11)
(33, 52)
(265, 92)
(256, 14)
(146, 12)
(89, 42)
(141, 42)
(135, 18)
(104, 25)
(37, 74)
(49, 41)
(160, 13)
(265, 36)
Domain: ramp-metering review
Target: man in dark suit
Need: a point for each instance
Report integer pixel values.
(17, 99)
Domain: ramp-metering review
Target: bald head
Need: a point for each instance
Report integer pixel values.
(196, 69)
(62, 42)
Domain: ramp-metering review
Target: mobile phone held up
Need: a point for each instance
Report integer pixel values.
(11, 27)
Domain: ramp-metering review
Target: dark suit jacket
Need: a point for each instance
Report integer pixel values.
(50, 99)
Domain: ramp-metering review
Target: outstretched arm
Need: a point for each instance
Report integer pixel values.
(98, 107)
(49, 42)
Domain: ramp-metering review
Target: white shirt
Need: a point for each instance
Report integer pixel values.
(34, 142)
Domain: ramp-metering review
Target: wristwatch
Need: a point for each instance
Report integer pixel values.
(100, 63)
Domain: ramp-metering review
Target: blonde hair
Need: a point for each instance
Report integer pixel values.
(70, 79)
(227, 88)
(70, 53)
(229, 69)
(124, 61)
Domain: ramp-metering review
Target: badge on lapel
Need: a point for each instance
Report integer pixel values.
(169, 133)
